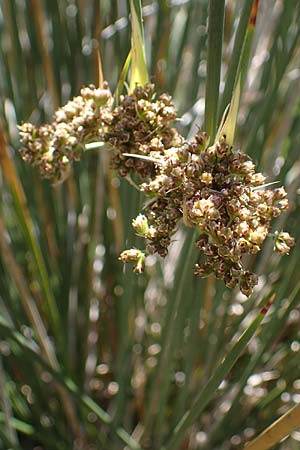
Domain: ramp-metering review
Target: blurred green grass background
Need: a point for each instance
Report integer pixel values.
(81, 337)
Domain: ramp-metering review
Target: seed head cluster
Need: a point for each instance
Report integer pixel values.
(141, 126)
(226, 200)
(214, 189)
(51, 148)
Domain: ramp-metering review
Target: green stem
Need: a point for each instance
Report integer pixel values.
(209, 390)
(25, 345)
(160, 388)
(214, 58)
(235, 57)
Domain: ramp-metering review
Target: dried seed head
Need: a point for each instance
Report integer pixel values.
(141, 126)
(134, 255)
(247, 282)
(283, 243)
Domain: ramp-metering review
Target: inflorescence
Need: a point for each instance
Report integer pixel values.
(51, 148)
(212, 188)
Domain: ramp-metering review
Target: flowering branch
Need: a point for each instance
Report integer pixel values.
(214, 189)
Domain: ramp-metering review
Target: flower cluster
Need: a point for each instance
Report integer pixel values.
(141, 126)
(228, 203)
(136, 256)
(53, 147)
(217, 191)
(214, 189)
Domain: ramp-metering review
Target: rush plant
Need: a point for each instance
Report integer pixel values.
(176, 163)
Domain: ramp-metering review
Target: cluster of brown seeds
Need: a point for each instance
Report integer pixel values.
(141, 126)
(214, 189)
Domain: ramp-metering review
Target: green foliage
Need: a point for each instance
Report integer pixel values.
(93, 356)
